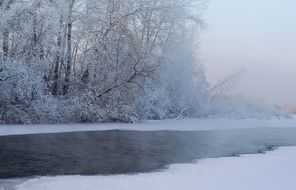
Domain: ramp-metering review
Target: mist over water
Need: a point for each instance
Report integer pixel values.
(124, 152)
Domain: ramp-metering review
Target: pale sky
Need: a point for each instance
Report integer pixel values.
(258, 34)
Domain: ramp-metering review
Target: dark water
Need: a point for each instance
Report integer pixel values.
(119, 152)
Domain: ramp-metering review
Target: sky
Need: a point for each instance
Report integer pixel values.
(259, 35)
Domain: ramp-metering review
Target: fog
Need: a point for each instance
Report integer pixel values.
(80, 68)
(259, 35)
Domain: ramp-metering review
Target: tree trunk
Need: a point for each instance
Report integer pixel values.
(55, 86)
(69, 49)
(5, 43)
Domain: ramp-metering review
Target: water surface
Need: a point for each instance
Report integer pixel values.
(123, 152)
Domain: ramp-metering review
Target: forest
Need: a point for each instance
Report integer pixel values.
(71, 61)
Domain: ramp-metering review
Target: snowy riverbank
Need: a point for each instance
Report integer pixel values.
(271, 171)
(176, 125)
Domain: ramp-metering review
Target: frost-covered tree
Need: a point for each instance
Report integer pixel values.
(102, 60)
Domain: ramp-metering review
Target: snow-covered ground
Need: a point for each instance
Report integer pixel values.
(177, 125)
(271, 171)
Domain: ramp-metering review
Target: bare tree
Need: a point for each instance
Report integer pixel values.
(228, 81)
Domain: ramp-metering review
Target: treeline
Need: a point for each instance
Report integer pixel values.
(100, 60)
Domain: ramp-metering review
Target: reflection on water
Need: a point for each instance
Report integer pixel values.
(118, 152)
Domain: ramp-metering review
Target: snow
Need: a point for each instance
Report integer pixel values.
(271, 171)
(175, 125)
